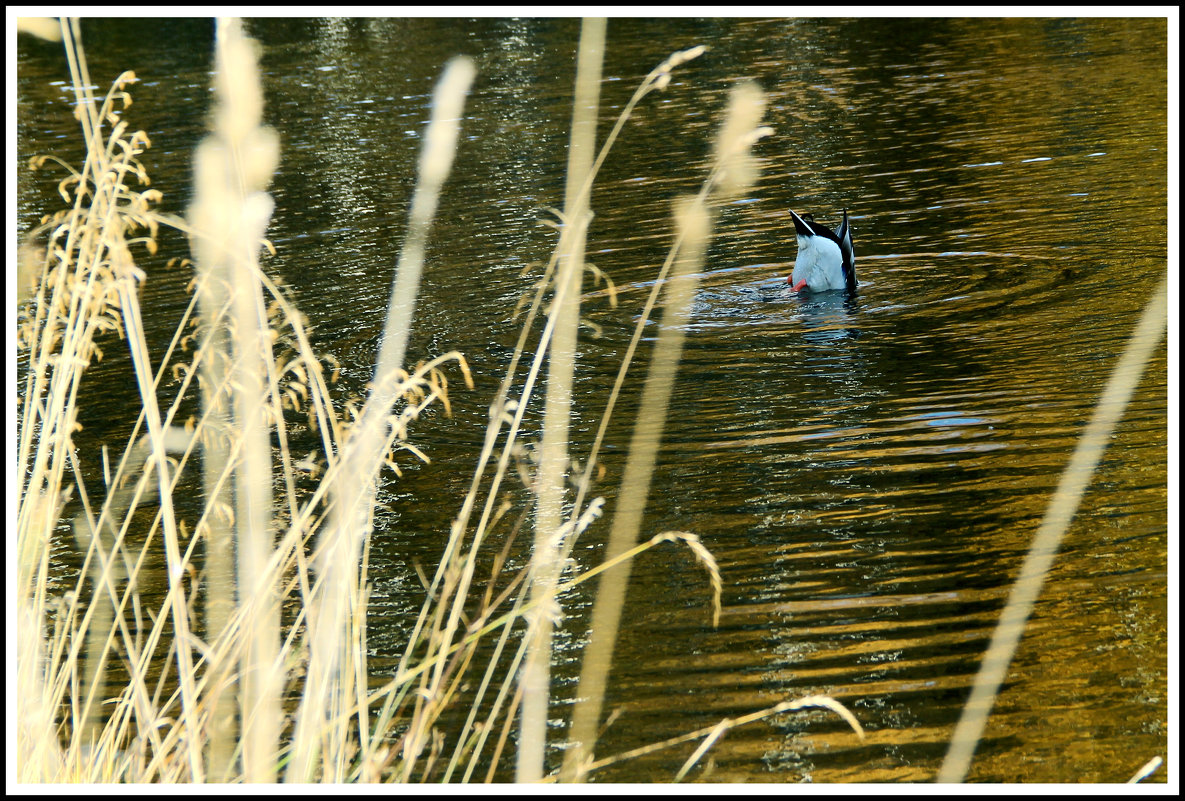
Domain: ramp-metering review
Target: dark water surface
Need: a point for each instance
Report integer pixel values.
(868, 472)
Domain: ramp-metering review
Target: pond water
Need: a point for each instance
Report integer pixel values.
(868, 471)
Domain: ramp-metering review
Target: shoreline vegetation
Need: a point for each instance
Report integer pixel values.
(215, 684)
(252, 667)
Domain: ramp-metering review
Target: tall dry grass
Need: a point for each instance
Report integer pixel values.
(1026, 588)
(551, 477)
(213, 683)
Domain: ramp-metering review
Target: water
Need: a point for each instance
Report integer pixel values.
(868, 471)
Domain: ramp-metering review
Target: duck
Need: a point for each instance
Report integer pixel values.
(825, 260)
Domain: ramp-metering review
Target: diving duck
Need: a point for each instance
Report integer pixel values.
(825, 258)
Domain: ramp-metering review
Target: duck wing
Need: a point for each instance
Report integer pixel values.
(844, 235)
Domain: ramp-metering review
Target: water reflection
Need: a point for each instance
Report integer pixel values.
(828, 318)
(866, 470)
(873, 467)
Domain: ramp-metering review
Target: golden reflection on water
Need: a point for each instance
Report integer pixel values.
(907, 443)
(867, 471)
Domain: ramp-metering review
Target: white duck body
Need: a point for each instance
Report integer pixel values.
(825, 259)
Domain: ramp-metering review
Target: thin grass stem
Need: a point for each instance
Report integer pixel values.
(731, 173)
(551, 476)
(1075, 478)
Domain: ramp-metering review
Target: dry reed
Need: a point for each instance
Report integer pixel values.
(203, 702)
(730, 174)
(1026, 588)
(338, 595)
(88, 284)
(229, 216)
(551, 476)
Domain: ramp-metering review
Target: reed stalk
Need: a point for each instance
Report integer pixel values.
(733, 171)
(1063, 505)
(331, 691)
(87, 284)
(552, 473)
(635, 483)
(213, 291)
(229, 215)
